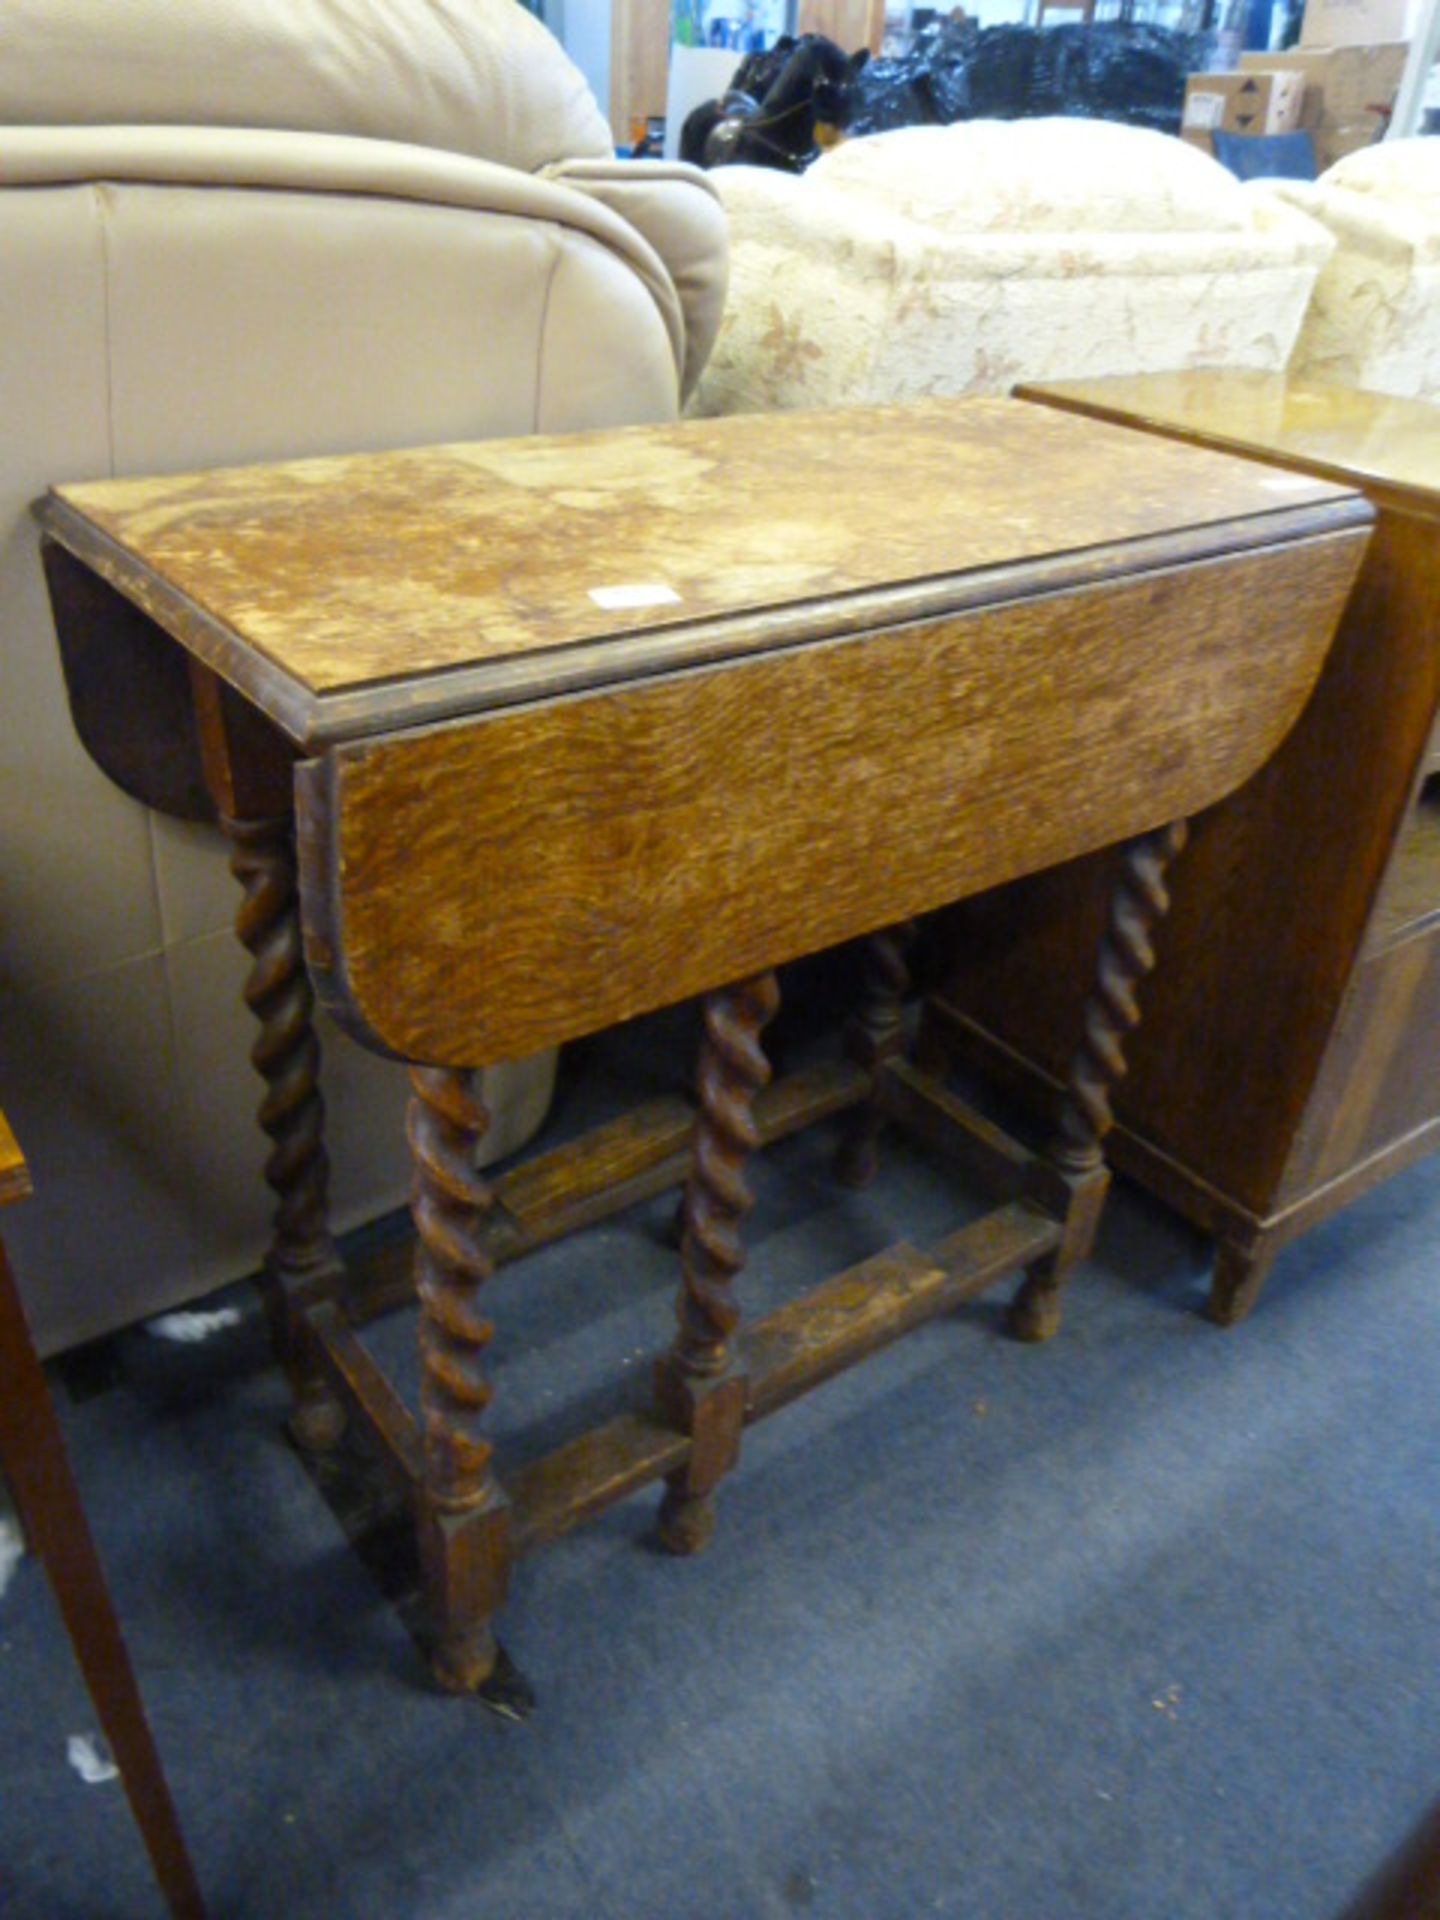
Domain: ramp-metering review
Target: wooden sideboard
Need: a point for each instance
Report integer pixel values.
(1290, 1052)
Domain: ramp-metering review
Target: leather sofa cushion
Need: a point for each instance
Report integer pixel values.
(478, 77)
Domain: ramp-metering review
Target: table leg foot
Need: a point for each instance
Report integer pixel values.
(686, 1521)
(476, 1666)
(1078, 1200)
(317, 1422)
(1035, 1311)
(712, 1411)
(1239, 1274)
(876, 1034)
(464, 1660)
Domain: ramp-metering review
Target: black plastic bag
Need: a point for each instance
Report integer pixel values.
(1113, 70)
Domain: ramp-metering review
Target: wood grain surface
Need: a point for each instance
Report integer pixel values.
(129, 690)
(1377, 1087)
(1270, 915)
(479, 890)
(347, 572)
(1389, 444)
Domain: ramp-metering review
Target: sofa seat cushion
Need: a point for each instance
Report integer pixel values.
(963, 259)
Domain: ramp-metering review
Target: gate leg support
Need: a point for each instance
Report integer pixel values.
(876, 1034)
(302, 1263)
(463, 1522)
(698, 1386)
(1071, 1180)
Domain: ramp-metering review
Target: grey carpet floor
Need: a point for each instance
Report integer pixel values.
(1142, 1625)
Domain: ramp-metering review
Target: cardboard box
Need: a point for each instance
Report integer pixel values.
(1197, 137)
(1333, 143)
(1342, 84)
(1244, 102)
(1353, 23)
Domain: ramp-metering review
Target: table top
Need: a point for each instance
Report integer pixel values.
(14, 1175)
(352, 595)
(1388, 445)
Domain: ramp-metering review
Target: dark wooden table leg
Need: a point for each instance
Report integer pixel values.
(250, 774)
(875, 1034)
(1073, 1172)
(1241, 1269)
(302, 1260)
(699, 1385)
(32, 1453)
(464, 1519)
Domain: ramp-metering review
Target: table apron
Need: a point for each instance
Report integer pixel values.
(477, 890)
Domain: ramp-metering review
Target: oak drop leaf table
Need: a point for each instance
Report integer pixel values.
(527, 738)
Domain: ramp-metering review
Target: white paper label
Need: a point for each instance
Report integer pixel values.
(649, 593)
(91, 1759)
(1205, 110)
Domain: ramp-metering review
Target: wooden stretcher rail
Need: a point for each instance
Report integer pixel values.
(782, 1356)
(365, 1390)
(808, 1341)
(864, 1309)
(635, 1157)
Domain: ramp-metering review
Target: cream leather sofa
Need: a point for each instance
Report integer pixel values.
(937, 260)
(1374, 320)
(235, 230)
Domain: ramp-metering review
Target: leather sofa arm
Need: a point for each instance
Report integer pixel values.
(679, 212)
(337, 164)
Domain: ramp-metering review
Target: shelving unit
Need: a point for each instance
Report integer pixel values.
(1289, 1057)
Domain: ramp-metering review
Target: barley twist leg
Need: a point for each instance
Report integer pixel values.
(1138, 904)
(876, 1034)
(464, 1521)
(698, 1384)
(302, 1259)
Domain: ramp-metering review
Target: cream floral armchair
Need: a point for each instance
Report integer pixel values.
(938, 260)
(1374, 320)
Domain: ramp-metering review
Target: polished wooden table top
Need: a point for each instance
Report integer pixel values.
(352, 595)
(1387, 444)
(880, 659)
